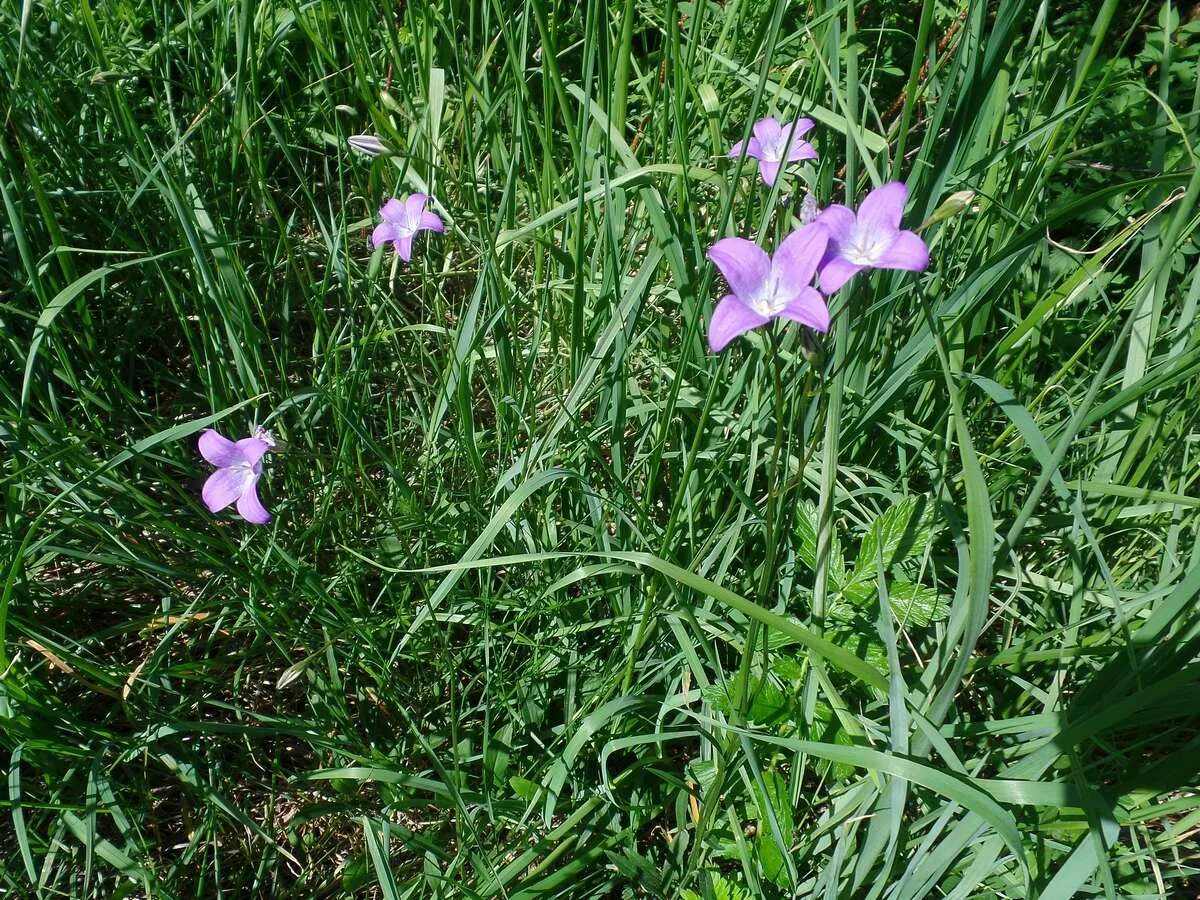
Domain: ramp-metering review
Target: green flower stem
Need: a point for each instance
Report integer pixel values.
(767, 577)
(776, 485)
(829, 462)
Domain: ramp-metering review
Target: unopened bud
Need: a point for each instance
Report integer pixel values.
(951, 206)
(808, 209)
(368, 145)
(811, 349)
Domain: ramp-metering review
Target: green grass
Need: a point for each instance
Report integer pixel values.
(556, 602)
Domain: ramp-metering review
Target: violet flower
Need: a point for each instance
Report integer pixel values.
(765, 288)
(872, 239)
(402, 219)
(239, 466)
(770, 146)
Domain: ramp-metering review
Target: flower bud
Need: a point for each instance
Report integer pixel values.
(368, 145)
(808, 208)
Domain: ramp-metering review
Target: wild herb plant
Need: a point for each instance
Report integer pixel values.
(551, 598)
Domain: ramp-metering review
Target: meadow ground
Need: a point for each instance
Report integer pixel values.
(555, 601)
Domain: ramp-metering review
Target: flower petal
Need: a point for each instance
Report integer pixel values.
(251, 449)
(404, 247)
(218, 449)
(797, 257)
(801, 150)
(744, 264)
(250, 507)
(835, 273)
(810, 309)
(882, 208)
(769, 171)
(838, 219)
(392, 211)
(384, 232)
(753, 149)
(431, 222)
(768, 130)
(223, 487)
(803, 126)
(731, 318)
(908, 251)
(414, 204)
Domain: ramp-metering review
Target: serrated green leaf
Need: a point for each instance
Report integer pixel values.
(773, 793)
(768, 703)
(851, 600)
(787, 669)
(704, 773)
(899, 533)
(806, 531)
(826, 727)
(915, 604)
(841, 771)
(723, 889)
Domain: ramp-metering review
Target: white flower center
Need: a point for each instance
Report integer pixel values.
(408, 223)
(245, 475)
(865, 246)
(773, 151)
(770, 298)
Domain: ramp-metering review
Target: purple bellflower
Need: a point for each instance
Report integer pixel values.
(402, 219)
(770, 146)
(239, 466)
(872, 239)
(765, 288)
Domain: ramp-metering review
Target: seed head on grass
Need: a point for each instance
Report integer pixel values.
(870, 239)
(402, 219)
(239, 466)
(775, 145)
(765, 288)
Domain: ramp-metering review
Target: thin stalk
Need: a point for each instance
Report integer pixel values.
(620, 93)
(776, 485)
(829, 460)
(910, 90)
(766, 578)
(833, 416)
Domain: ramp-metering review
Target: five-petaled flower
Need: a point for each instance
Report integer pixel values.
(870, 239)
(239, 466)
(770, 146)
(765, 288)
(402, 219)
